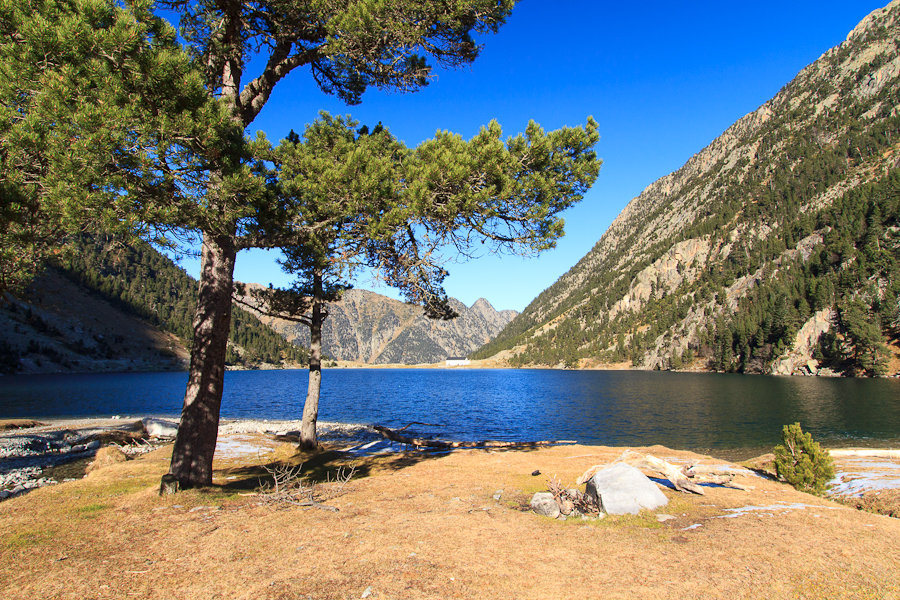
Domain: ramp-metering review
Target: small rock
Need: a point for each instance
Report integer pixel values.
(159, 427)
(535, 473)
(498, 494)
(663, 518)
(367, 593)
(543, 503)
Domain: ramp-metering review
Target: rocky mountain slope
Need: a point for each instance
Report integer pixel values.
(111, 307)
(63, 327)
(773, 249)
(370, 328)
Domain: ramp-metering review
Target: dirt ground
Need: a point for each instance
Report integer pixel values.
(420, 526)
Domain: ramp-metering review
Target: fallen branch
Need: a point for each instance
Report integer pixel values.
(684, 479)
(394, 436)
(408, 425)
(290, 487)
(671, 472)
(711, 474)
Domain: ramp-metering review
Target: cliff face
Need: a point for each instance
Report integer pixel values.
(370, 328)
(678, 269)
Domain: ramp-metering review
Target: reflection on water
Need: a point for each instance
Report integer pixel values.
(682, 410)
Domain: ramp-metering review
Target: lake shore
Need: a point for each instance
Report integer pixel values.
(415, 525)
(29, 447)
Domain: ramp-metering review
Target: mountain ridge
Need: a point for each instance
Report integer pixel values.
(757, 190)
(369, 328)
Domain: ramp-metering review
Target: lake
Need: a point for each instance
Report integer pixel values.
(696, 411)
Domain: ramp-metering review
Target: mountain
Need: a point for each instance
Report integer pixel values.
(107, 306)
(775, 249)
(64, 327)
(370, 328)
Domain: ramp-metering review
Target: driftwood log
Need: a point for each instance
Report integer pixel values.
(396, 436)
(685, 479)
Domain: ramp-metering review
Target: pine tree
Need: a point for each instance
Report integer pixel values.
(801, 462)
(369, 201)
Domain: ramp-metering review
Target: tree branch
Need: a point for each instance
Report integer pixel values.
(281, 62)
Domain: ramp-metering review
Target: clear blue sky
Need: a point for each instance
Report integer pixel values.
(662, 79)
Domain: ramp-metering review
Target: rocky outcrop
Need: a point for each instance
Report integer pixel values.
(799, 360)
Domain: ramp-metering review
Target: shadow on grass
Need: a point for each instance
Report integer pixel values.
(325, 464)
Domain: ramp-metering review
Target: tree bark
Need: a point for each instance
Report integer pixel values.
(195, 443)
(308, 439)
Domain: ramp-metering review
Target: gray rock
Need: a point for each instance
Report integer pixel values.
(543, 503)
(159, 427)
(621, 489)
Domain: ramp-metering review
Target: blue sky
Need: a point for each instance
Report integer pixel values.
(662, 80)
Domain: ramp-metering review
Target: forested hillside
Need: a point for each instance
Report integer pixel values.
(134, 280)
(150, 285)
(775, 249)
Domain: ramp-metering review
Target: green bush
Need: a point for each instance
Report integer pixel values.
(802, 462)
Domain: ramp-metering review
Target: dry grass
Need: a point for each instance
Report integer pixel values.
(8, 424)
(882, 502)
(429, 527)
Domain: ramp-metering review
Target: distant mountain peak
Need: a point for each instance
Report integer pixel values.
(368, 327)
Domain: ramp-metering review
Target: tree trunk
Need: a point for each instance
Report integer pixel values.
(308, 440)
(195, 443)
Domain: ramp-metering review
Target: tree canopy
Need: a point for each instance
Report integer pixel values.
(111, 121)
(365, 200)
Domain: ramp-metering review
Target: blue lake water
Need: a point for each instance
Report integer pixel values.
(681, 410)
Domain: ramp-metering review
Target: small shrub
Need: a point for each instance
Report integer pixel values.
(801, 462)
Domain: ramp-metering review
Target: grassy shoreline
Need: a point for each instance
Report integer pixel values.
(424, 526)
